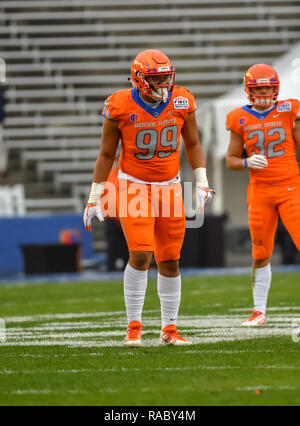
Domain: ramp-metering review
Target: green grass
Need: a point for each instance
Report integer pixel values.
(63, 346)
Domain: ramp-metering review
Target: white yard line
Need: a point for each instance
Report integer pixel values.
(270, 309)
(52, 317)
(134, 369)
(56, 392)
(109, 390)
(110, 327)
(227, 352)
(45, 356)
(44, 392)
(262, 388)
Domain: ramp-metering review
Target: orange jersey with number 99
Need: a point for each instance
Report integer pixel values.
(150, 137)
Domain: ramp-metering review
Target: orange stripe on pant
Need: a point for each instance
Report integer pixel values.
(266, 203)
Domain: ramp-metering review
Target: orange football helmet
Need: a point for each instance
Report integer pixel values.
(146, 69)
(261, 75)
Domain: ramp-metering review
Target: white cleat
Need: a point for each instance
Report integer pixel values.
(170, 336)
(257, 319)
(133, 338)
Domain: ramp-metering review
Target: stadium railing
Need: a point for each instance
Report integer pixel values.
(47, 205)
(63, 166)
(15, 4)
(62, 180)
(124, 66)
(233, 49)
(98, 28)
(39, 120)
(70, 154)
(52, 106)
(168, 12)
(88, 79)
(51, 131)
(168, 38)
(59, 143)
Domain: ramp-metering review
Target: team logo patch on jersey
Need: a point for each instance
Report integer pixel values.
(181, 103)
(284, 107)
(242, 121)
(134, 118)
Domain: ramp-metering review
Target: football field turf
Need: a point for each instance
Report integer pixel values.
(64, 346)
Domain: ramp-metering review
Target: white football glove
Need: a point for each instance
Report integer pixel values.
(203, 196)
(92, 210)
(256, 162)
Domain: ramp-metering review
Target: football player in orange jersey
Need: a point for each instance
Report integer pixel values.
(149, 119)
(270, 131)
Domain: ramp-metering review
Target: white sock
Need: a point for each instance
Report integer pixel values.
(169, 291)
(135, 285)
(261, 285)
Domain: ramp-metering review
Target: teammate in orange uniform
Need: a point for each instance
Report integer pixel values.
(270, 130)
(149, 119)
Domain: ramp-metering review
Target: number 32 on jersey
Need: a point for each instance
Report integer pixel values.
(268, 149)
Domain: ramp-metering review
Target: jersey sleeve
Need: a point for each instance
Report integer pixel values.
(232, 122)
(183, 92)
(193, 106)
(296, 109)
(113, 107)
(192, 103)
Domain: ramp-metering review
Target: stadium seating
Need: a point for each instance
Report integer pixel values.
(63, 154)
(13, 203)
(60, 143)
(64, 57)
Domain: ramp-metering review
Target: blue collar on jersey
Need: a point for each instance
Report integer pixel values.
(259, 115)
(155, 112)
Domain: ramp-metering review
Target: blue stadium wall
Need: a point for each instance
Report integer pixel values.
(15, 232)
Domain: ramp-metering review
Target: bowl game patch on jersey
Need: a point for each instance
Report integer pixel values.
(181, 103)
(284, 107)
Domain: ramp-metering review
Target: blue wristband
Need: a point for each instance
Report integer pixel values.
(245, 163)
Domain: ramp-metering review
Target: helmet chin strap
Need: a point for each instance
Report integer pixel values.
(162, 93)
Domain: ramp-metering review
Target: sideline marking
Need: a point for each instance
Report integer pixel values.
(134, 369)
(110, 328)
